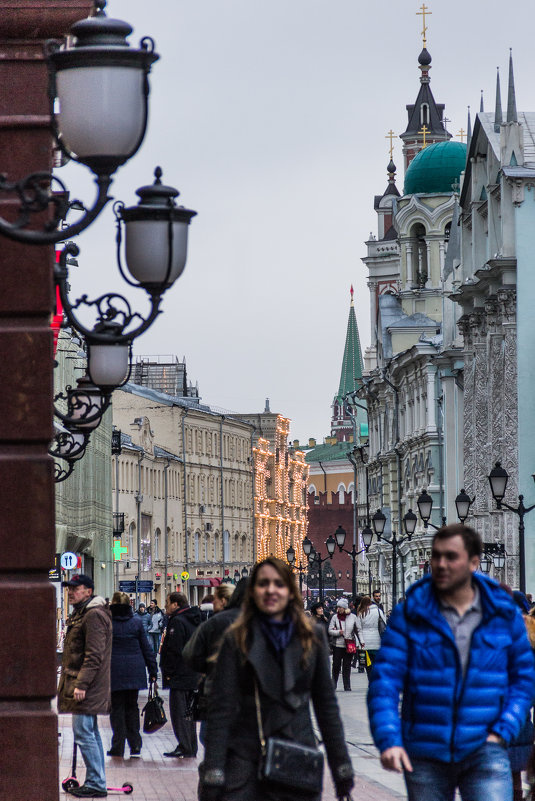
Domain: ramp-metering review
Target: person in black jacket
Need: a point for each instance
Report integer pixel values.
(273, 647)
(176, 675)
(131, 657)
(200, 651)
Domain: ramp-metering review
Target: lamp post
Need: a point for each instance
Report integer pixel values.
(493, 553)
(425, 507)
(339, 540)
(315, 559)
(409, 523)
(34, 213)
(498, 479)
(290, 558)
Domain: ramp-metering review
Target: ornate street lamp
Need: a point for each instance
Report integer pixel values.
(463, 504)
(409, 522)
(98, 94)
(498, 479)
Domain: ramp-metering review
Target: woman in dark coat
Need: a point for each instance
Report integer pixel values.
(276, 648)
(131, 657)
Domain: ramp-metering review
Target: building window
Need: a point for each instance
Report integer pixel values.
(226, 546)
(146, 561)
(157, 539)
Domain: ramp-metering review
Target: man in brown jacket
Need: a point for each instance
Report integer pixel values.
(84, 686)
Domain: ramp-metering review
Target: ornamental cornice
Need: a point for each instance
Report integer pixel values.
(418, 211)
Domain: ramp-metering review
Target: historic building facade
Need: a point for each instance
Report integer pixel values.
(496, 297)
(280, 478)
(415, 350)
(205, 460)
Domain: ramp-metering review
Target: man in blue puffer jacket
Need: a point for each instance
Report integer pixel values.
(456, 649)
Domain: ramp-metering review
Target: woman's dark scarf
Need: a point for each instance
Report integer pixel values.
(278, 632)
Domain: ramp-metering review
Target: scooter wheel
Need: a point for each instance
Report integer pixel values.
(127, 788)
(70, 784)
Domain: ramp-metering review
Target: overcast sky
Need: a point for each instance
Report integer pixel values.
(270, 117)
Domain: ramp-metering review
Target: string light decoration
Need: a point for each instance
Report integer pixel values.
(280, 517)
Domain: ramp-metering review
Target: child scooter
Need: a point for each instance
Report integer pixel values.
(71, 782)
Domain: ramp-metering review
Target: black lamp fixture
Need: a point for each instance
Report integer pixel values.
(156, 251)
(99, 129)
(409, 523)
(290, 555)
(493, 554)
(463, 504)
(244, 572)
(498, 478)
(330, 543)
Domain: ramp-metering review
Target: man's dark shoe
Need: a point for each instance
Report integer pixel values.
(88, 792)
(178, 752)
(111, 752)
(135, 754)
(187, 756)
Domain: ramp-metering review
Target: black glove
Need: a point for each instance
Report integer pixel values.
(209, 792)
(344, 786)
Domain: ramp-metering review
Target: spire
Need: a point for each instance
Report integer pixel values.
(511, 97)
(498, 118)
(481, 107)
(352, 359)
(468, 132)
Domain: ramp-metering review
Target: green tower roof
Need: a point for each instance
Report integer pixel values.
(436, 169)
(352, 360)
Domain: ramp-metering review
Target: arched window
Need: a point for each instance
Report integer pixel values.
(196, 546)
(157, 544)
(226, 546)
(424, 114)
(131, 540)
(341, 493)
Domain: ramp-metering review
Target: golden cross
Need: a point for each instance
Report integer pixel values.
(422, 13)
(462, 134)
(424, 130)
(390, 135)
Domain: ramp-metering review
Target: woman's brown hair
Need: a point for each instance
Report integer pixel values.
(364, 606)
(304, 626)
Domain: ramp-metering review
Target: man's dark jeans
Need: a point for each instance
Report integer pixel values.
(484, 775)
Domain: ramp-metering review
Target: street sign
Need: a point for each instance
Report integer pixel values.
(69, 560)
(54, 574)
(130, 586)
(184, 575)
(118, 550)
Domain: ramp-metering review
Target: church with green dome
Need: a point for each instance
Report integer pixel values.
(436, 169)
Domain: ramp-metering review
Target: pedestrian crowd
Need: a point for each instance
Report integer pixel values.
(249, 663)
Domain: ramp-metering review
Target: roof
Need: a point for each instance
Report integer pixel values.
(329, 453)
(436, 169)
(352, 359)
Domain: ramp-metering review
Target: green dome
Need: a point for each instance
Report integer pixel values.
(436, 169)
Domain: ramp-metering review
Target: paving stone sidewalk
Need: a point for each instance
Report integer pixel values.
(157, 778)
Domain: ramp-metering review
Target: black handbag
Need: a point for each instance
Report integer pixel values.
(287, 763)
(153, 712)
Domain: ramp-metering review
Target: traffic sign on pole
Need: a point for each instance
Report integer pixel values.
(69, 560)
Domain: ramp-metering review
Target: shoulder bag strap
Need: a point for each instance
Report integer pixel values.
(259, 719)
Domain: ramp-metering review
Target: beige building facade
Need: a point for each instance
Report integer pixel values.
(184, 482)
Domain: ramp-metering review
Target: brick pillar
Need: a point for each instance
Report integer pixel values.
(28, 726)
